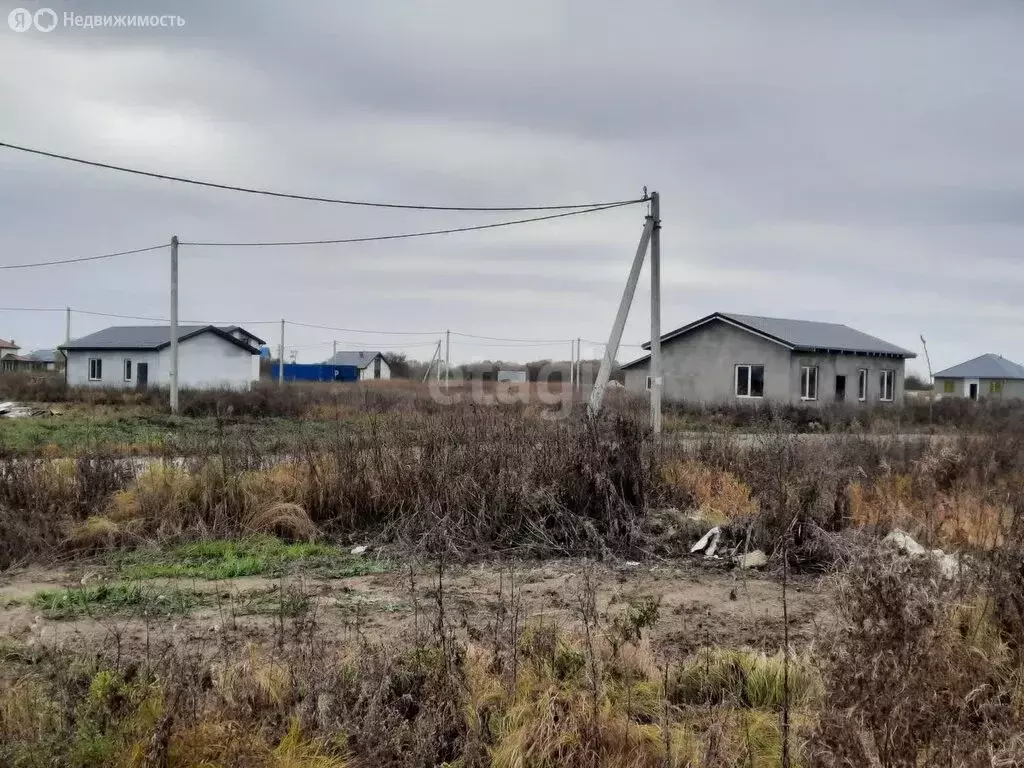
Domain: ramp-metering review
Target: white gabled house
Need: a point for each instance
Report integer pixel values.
(371, 365)
(139, 356)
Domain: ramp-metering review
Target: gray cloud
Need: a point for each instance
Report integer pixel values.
(856, 162)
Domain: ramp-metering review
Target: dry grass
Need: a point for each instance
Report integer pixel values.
(717, 494)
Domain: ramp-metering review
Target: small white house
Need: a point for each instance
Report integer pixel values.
(371, 365)
(139, 356)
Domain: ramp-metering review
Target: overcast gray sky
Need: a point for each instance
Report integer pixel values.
(851, 162)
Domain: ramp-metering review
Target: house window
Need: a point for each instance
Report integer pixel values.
(749, 380)
(862, 384)
(127, 370)
(95, 369)
(949, 386)
(886, 381)
(995, 387)
(809, 382)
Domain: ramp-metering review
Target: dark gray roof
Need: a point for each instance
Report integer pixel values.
(44, 355)
(984, 367)
(240, 329)
(148, 337)
(358, 359)
(801, 335)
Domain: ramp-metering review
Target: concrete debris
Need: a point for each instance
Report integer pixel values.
(904, 543)
(708, 542)
(361, 549)
(948, 564)
(755, 559)
(13, 410)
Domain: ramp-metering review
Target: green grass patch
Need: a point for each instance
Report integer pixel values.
(73, 435)
(216, 559)
(128, 432)
(119, 598)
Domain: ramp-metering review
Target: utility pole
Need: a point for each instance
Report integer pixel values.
(579, 364)
(435, 356)
(447, 357)
(572, 364)
(174, 324)
(597, 393)
(67, 339)
(280, 359)
(334, 355)
(656, 313)
(931, 380)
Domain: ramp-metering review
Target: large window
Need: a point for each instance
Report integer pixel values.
(887, 382)
(949, 386)
(127, 370)
(95, 369)
(995, 387)
(749, 380)
(809, 382)
(862, 384)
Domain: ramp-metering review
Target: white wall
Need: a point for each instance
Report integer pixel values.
(204, 362)
(113, 368)
(207, 361)
(366, 374)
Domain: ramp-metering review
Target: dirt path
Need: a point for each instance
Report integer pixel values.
(698, 606)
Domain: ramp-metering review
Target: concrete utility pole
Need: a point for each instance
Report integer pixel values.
(447, 357)
(931, 380)
(174, 325)
(334, 355)
(572, 364)
(579, 364)
(67, 325)
(597, 393)
(656, 313)
(435, 356)
(280, 359)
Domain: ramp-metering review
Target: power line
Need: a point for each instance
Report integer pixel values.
(605, 343)
(502, 338)
(308, 198)
(406, 235)
(483, 340)
(82, 258)
(356, 330)
(165, 320)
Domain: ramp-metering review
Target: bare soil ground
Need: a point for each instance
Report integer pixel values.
(699, 605)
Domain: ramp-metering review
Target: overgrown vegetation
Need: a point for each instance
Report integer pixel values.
(127, 597)
(218, 559)
(915, 667)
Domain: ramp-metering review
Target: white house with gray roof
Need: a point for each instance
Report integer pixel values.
(371, 365)
(727, 357)
(986, 376)
(139, 356)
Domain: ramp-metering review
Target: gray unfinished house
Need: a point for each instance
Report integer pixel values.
(748, 359)
(987, 376)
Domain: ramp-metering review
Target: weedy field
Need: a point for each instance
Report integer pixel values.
(485, 586)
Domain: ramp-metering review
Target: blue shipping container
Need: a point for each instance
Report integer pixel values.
(316, 372)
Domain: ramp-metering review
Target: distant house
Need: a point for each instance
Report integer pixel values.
(46, 359)
(139, 356)
(371, 365)
(8, 349)
(39, 360)
(727, 357)
(983, 377)
(513, 377)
